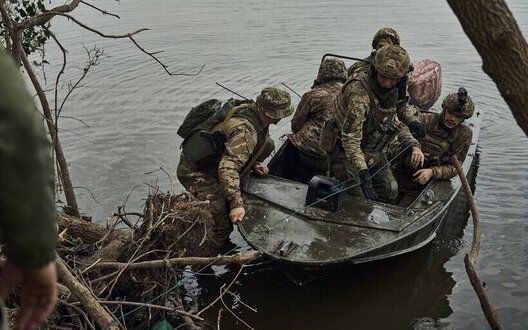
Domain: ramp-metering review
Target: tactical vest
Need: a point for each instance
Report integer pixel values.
(381, 125)
(203, 148)
(435, 145)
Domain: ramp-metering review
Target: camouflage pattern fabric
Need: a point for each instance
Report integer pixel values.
(460, 136)
(204, 186)
(388, 34)
(351, 109)
(392, 61)
(453, 103)
(275, 102)
(360, 67)
(221, 185)
(383, 182)
(332, 68)
(308, 120)
(358, 115)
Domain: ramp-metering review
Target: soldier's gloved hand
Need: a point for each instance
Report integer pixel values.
(366, 185)
(417, 129)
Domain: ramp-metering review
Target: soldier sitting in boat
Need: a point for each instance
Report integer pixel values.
(447, 135)
(216, 158)
(366, 112)
(308, 120)
(384, 36)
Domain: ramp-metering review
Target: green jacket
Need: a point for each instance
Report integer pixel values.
(28, 219)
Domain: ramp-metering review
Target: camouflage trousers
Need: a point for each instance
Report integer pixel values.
(205, 186)
(380, 171)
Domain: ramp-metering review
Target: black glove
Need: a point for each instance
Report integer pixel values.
(366, 185)
(417, 129)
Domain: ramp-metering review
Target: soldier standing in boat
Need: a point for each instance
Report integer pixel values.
(246, 139)
(367, 118)
(308, 120)
(384, 36)
(447, 135)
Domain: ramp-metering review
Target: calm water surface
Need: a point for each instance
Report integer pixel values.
(133, 110)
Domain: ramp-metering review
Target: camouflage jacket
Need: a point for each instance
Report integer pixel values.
(28, 220)
(360, 67)
(441, 143)
(242, 139)
(358, 115)
(308, 120)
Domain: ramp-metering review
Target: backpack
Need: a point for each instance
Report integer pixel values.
(206, 115)
(201, 147)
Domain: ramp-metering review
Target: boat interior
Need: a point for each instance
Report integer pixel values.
(285, 163)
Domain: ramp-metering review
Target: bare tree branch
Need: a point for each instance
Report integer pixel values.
(163, 65)
(470, 259)
(109, 36)
(6, 20)
(44, 18)
(100, 10)
(239, 258)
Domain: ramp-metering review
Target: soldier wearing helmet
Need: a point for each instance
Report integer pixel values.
(245, 140)
(447, 135)
(365, 114)
(309, 117)
(384, 36)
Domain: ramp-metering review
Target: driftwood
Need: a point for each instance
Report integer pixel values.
(240, 258)
(470, 259)
(88, 301)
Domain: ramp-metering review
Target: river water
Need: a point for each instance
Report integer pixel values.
(133, 110)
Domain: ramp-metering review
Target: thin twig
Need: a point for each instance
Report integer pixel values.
(104, 12)
(165, 308)
(163, 65)
(222, 292)
(218, 298)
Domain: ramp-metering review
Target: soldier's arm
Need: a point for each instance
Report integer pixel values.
(241, 141)
(407, 113)
(351, 127)
(27, 207)
(459, 148)
(301, 114)
(405, 137)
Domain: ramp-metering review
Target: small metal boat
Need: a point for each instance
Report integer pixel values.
(279, 224)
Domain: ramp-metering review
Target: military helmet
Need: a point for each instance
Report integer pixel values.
(392, 61)
(459, 103)
(275, 102)
(386, 33)
(332, 69)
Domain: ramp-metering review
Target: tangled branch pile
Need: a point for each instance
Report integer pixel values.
(128, 278)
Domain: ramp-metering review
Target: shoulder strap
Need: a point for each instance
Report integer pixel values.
(253, 159)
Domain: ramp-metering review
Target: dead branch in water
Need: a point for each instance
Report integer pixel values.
(470, 259)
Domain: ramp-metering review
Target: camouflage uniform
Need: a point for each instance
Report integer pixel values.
(367, 120)
(220, 184)
(309, 118)
(389, 35)
(441, 143)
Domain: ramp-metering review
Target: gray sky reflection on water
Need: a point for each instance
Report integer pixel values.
(133, 109)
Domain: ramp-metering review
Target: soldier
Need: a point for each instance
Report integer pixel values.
(384, 36)
(28, 220)
(365, 113)
(246, 140)
(447, 135)
(308, 120)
